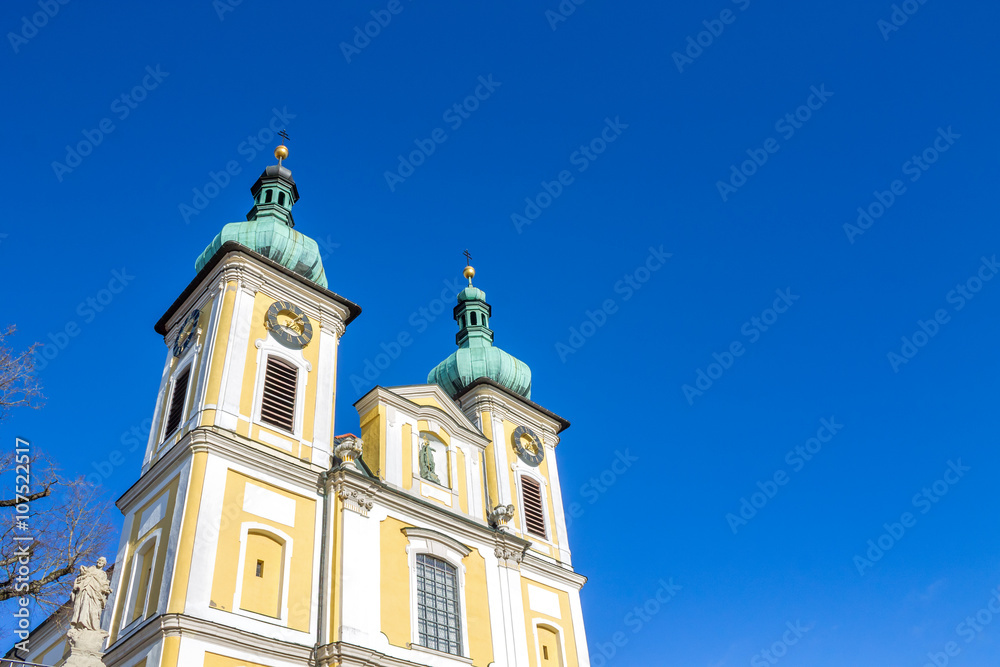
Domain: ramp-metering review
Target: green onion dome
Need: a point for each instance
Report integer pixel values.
(476, 356)
(268, 229)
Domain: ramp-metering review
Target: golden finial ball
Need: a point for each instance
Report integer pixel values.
(281, 152)
(469, 272)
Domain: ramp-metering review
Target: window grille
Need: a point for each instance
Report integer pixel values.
(438, 618)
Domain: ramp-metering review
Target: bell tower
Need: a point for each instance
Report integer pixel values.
(221, 556)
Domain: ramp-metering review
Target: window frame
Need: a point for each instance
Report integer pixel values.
(286, 573)
(265, 349)
(135, 575)
(544, 493)
(188, 366)
(437, 545)
(554, 627)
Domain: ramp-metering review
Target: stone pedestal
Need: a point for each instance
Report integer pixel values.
(86, 647)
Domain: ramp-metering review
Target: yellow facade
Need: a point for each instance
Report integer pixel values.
(261, 538)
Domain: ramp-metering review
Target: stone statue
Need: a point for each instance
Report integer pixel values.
(90, 594)
(426, 460)
(86, 638)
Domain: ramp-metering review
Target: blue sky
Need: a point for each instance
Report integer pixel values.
(741, 154)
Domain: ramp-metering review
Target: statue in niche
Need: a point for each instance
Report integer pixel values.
(426, 460)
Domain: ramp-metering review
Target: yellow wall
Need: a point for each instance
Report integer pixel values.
(155, 565)
(216, 660)
(227, 556)
(373, 435)
(185, 546)
(395, 582)
(221, 346)
(543, 470)
(425, 400)
(263, 566)
(564, 623)
(307, 408)
(491, 470)
(477, 610)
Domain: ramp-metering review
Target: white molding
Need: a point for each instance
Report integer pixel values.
(266, 348)
(135, 575)
(187, 363)
(560, 633)
(286, 570)
(438, 545)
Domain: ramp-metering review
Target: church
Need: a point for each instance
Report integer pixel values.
(256, 537)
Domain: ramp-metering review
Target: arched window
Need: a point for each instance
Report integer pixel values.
(142, 575)
(438, 615)
(281, 199)
(473, 319)
(267, 196)
(263, 574)
(549, 648)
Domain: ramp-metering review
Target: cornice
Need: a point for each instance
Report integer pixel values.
(452, 416)
(178, 625)
(232, 255)
(232, 447)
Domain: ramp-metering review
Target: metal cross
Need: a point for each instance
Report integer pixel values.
(468, 257)
(284, 135)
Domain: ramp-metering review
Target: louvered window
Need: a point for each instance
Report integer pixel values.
(277, 406)
(534, 515)
(177, 401)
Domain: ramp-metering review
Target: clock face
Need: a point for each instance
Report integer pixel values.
(185, 335)
(528, 446)
(288, 324)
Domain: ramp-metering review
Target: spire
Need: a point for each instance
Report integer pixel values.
(275, 193)
(268, 229)
(472, 314)
(476, 356)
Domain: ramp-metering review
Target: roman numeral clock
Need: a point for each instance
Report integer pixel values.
(289, 325)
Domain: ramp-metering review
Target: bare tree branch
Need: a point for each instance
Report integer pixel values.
(19, 386)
